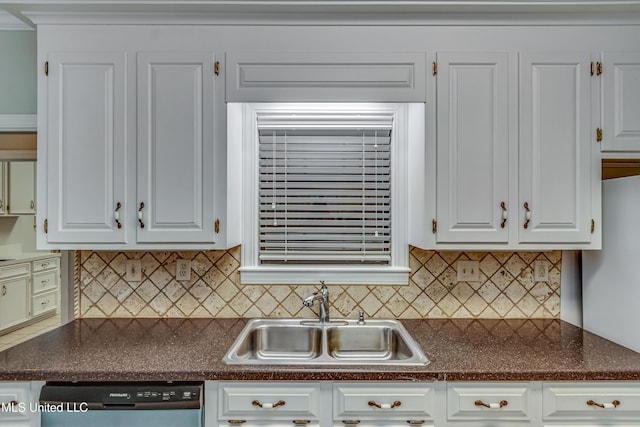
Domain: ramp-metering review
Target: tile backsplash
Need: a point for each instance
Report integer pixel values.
(506, 288)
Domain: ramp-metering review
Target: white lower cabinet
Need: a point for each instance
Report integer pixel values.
(371, 403)
(16, 404)
(592, 404)
(426, 404)
(268, 403)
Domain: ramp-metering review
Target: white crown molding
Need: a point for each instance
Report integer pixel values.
(18, 123)
(357, 19)
(10, 22)
(328, 12)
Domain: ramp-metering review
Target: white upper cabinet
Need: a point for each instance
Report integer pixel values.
(555, 179)
(472, 147)
(22, 188)
(86, 142)
(620, 75)
(175, 147)
(326, 76)
(133, 149)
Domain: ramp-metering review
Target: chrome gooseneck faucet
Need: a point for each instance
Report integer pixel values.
(323, 300)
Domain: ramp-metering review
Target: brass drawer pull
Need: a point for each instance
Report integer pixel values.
(611, 405)
(492, 405)
(415, 422)
(236, 422)
(301, 422)
(268, 405)
(385, 405)
(351, 422)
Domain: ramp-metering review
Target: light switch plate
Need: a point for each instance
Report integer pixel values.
(468, 271)
(540, 271)
(183, 269)
(133, 269)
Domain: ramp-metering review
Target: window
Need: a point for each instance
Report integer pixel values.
(324, 193)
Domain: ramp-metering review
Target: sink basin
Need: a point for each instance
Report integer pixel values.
(341, 342)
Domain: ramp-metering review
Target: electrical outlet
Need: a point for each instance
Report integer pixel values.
(540, 271)
(133, 268)
(183, 269)
(468, 271)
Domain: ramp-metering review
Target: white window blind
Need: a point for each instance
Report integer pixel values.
(325, 188)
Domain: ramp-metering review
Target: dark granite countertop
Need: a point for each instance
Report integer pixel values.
(192, 349)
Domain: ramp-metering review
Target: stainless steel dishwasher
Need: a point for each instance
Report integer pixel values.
(121, 404)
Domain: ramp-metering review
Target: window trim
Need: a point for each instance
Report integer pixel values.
(396, 273)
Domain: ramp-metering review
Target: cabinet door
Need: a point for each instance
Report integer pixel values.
(555, 138)
(86, 173)
(14, 301)
(175, 147)
(22, 188)
(472, 147)
(621, 101)
(3, 189)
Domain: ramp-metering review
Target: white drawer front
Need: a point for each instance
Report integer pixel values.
(43, 303)
(489, 401)
(46, 264)
(14, 402)
(44, 281)
(591, 401)
(269, 401)
(377, 400)
(15, 270)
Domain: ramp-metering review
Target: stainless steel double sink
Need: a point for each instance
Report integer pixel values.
(310, 342)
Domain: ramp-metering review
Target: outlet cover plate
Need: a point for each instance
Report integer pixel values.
(183, 269)
(468, 271)
(540, 271)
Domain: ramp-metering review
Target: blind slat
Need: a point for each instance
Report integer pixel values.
(324, 188)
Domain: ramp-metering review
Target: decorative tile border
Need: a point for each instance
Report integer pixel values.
(506, 288)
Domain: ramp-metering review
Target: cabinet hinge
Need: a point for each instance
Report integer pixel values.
(216, 68)
(434, 226)
(598, 68)
(593, 67)
(434, 68)
(46, 226)
(593, 225)
(216, 226)
(598, 134)
(46, 68)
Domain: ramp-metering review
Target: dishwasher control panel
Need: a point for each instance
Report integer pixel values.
(125, 395)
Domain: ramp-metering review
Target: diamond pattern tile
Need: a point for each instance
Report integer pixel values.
(506, 288)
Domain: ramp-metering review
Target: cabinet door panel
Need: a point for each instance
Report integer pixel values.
(22, 187)
(86, 146)
(621, 102)
(555, 179)
(14, 301)
(175, 146)
(472, 146)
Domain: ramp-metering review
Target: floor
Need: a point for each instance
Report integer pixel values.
(26, 333)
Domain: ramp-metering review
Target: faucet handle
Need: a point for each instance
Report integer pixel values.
(361, 318)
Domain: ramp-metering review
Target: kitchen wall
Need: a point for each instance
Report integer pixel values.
(18, 72)
(18, 229)
(506, 288)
